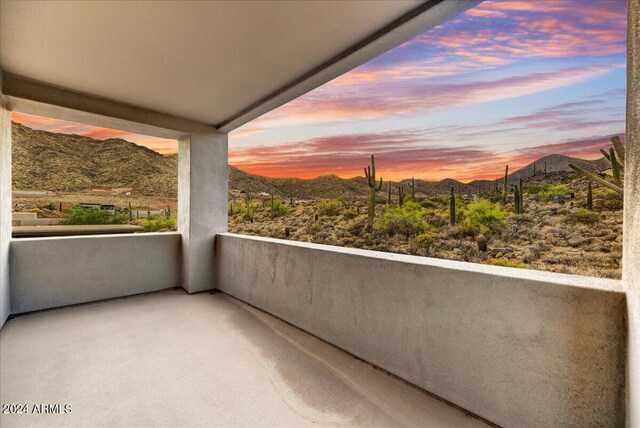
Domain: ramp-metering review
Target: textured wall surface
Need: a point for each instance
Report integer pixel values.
(631, 248)
(517, 347)
(5, 207)
(51, 272)
(202, 204)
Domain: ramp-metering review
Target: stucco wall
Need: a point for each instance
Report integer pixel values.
(631, 235)
(517, 347)
(5, 206)
(51, 272)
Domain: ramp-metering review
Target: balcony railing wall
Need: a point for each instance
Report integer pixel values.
(520, 348)
(52, 272)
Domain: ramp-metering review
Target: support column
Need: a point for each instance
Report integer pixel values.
(202, 204)
(631, 245)
(5, 205)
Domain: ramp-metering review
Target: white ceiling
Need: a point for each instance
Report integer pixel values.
(204, 61)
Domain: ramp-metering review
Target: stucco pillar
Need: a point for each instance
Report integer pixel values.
(202, 204)
(631, 251)
(5, 205)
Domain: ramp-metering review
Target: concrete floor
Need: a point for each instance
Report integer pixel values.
(173, 359)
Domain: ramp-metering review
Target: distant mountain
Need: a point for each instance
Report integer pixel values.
(49, 161)
(555, 163)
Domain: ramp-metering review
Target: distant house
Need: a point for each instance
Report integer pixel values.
(97, 206)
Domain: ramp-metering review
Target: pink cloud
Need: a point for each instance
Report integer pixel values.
(160, 145)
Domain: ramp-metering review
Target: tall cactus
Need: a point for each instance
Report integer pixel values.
(617, 167)
(521, 196)
(452, 207)
(413, 188)
(370, 173)
(545, 168)
(504, 188)
(589, 196)
(534, 169)
(518, 197)
(273, 212)
(400, 196)
(389, 194)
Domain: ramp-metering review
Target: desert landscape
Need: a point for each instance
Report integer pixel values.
(544, 216)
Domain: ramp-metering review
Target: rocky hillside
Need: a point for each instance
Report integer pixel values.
(49, 161)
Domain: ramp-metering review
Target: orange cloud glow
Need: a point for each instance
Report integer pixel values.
(161, 145)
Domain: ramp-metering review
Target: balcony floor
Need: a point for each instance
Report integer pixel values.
(173, 359)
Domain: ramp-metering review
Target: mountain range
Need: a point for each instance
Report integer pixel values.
(45, 160)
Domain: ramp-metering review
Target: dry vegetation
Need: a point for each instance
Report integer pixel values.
(555, 233)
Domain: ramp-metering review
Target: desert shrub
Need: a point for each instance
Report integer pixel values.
(349, 214)
(426, 238)
(536, 188)
(80, 216)
(483, 217)
(430, 204)
(406, 221)
(280, 209)
(551, 192)
(328, 208)
(582, 216)
(356, 226)
(612, 200)
(506, 263)
(233, 209)
(159, 224)
(248, 211)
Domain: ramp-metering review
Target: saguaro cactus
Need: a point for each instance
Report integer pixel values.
(616, 167)
(413, 188)
(400, 196)
(389, 194)
(273, 212)
(504, 187)
(520, 196)
(370, 173)
(452, 207)
(534, 169)
(589, 196)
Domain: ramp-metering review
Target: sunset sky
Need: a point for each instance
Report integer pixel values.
(505, 82)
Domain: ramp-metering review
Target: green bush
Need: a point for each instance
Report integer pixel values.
(328, 208)
(233, 209)
(280, 209)
(551, 192)
(483, 217)
(582, 216)
(430, 204)
(159, 224)
(81, 216)
(506, 263)
(426, 238)
(406, 221)
(536, 188)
